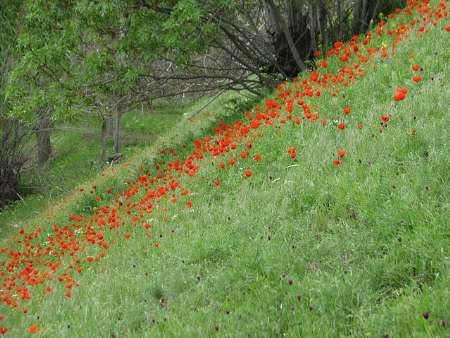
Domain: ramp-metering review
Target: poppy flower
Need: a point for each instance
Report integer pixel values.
(33, 329)
(189, 204)
(341, 152)
(217, 183)
(337, 162)
(417, 78)
(3, 330)
(347, 110)
(248, 173)
(385, 118)
(416, 67)
(298, 121)
(324, 64)
(127, 235)
(399, 95)
(292, 152)
(359, 126)
(341, 125)
(244, 154)
(147, 225)
(68, 294)
(90, 259)
(258, 157)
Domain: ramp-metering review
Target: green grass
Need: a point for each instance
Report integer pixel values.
(76, 152)
(302, 248)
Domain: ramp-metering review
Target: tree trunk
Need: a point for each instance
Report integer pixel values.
(339, 19)
(281, 23)
(312, 25)
(364, 17)
(103, 139)
(43, 133)
(117, 131)
(109, 125)
(322, 13)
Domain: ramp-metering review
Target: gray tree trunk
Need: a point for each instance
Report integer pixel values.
(43, 133)
(103, 140)
(281, 23)
(117, 131)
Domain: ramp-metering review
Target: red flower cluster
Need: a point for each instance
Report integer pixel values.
(400, 94)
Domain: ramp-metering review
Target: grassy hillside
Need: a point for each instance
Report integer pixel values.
(329, 217)
(76, 151)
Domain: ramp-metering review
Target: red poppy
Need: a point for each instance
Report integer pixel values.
(341, 152)
(244, 154)
(3, 330)
(217, 183)
(292, 152)
(337, 162)
(189, 204)
(248, 173)
(385, 118)
(417, 78)
(341, 125)
(68, 294)
(347, 110)
(90, 259)
(127, 235)
(258, 157)
(33, 329)
(324, 64)
(399, 96)
(298, 121)
(416, 67)
(359, 126)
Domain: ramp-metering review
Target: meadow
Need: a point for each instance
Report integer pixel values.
(320, 212)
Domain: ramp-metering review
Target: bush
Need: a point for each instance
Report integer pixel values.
(12, 159)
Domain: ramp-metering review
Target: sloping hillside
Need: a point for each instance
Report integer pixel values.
(322, 213)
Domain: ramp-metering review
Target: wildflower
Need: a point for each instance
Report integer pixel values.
(127, 235)
(337, 162)
(258, 157)
(244, 154)
(298, 121)
(347, 110)
(385, 118)
(417, 78)
(416, 67)
(68, 294)
(324, 64)
(90, 259)
(359, 126)
(292, 152)
(400, 95)
(341, 152)
(33, 329)
(248, 173)
(341, 125)
(217, 183)
(189, 204)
